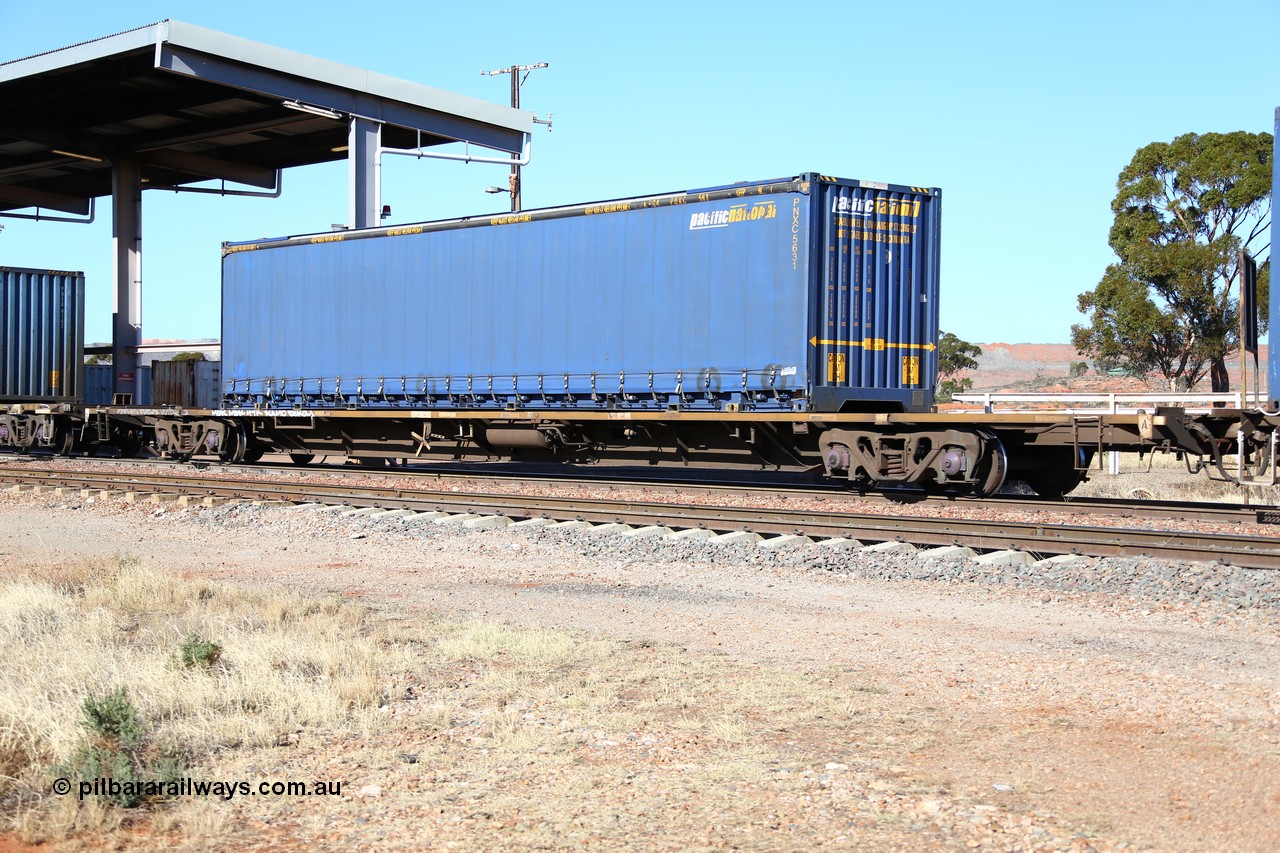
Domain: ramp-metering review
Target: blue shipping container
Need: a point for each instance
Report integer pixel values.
(804, 293)
(99, 387)
(41, 335)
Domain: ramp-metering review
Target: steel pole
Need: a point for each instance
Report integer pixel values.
(126, 232)
(364, 144)
(515, 169)
(1273, 346)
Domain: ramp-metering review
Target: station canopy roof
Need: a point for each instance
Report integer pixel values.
(189, 104)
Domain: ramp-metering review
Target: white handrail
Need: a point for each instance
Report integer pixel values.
(1118, 403)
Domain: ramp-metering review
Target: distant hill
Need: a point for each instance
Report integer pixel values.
(1047, 367)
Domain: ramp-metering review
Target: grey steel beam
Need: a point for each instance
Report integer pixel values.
(23, 197)
(126, 330)
(344, 100)
(212, 167)
(62, 58)
(364, 149)
(198, 164)
(39, 162)
(196, 52)
(42, 133)
(203, 130)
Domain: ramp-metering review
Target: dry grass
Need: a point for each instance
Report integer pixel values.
(70, 633)
(553, 730)
(1163, 476)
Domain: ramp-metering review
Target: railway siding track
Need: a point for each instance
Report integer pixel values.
(444, 472)
(1199, 511)
(1035, 539)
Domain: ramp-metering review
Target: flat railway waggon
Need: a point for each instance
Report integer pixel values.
(788, 324)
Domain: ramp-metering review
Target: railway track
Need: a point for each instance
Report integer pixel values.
(1036, 538)
(558, 476)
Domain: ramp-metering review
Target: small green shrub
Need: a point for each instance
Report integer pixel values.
(111, 752)
(197, 651)
(114, 719)
(947, 388)
(116, 759)
(100, 764)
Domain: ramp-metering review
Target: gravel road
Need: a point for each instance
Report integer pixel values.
(1130, 701)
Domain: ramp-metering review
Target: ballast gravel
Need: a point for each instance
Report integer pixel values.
(1158, 583)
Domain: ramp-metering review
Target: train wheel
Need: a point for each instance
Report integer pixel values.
(995, 464)
(253, 451)
(64, 438)
(128, 443)
(1058, 472)
(302, 458)
(233, 445)
(1054, 487)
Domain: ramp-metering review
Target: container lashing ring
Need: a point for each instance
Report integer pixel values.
(568, 397)
(595, 398)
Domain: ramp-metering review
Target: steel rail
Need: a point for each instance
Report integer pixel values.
(1150, 509)
(1257, 552)
(1188, 510)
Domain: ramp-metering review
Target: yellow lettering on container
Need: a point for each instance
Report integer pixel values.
(911, 370)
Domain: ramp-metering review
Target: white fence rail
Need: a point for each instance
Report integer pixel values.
(1115, 404)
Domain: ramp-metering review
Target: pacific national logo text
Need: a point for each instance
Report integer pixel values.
(725, 217)
(868, 206)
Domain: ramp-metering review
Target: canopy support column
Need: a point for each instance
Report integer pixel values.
(364, 153)
(126, 230)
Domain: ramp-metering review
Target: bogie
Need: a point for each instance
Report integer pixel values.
(949, 460)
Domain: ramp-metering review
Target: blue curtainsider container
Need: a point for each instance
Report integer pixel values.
(808, 293)
(41, 335)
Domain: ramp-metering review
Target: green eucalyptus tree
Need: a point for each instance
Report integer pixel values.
(955, 356)
(1183, 211)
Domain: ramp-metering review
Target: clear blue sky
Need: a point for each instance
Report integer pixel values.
(1023, 113)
